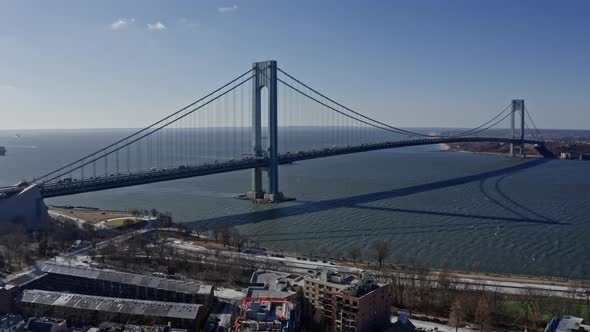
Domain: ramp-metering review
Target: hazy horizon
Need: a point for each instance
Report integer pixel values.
(139, 128)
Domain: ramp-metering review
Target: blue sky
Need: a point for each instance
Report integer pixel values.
(90, 64)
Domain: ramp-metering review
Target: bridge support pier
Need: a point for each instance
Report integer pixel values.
(25, 207)
(266, 77)
(517, 106)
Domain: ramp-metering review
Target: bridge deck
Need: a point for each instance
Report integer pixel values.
(77, 186)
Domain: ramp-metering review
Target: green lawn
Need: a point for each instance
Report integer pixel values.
(515, 309)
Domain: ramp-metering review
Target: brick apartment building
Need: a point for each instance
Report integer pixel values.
(346, 303)
(271, 303)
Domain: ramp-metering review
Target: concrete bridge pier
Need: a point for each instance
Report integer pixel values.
(25, 207)
(266, 77)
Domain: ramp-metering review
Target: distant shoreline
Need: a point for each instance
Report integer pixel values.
(447, 148)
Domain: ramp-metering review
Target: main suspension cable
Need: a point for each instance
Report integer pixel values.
(399, 130)
(154, 130)
(492, 125)
(144, 129)
(532, 122)
(334, 109)
(470, 131)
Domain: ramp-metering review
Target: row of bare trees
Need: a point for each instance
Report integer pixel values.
(144, 254)
(440, 294)
(379, 251)
(13, 246)
(19, 246)
(482, 316)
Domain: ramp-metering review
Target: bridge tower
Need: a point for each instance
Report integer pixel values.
(517, 106)
(265, 77)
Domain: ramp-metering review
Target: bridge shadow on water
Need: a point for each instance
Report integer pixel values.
(520, 218)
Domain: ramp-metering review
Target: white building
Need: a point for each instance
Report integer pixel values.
(566, 324)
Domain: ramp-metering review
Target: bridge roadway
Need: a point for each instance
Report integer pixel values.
(77, 186)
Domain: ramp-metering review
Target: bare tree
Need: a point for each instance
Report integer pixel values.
(311, 247)
(354, 252)
(424, 286)
(381, 251)
(457, 315)
(536, 302)
(446, 284)
(256, 241)
(482, 312)
(201, 229)
(226, 235)
(165, 219)
(217, 231)
(237, 239)
(14, 239)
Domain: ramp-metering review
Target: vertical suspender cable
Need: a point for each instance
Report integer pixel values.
(236, 125)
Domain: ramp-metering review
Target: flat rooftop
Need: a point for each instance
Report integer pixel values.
(272, 284)
(179, 286)
(21, 279)
(334, 278)
(273, 310)
(110, 304)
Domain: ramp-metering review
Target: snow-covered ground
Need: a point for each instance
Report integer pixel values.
(73, 260)
(229, 294)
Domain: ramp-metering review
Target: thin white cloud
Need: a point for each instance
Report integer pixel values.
(158, 26)
(187, 23)
(227, 9)
(121, 23)
(6, 86)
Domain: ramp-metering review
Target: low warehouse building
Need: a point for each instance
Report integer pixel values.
(125, 285)
(89, 281)
(81, 309)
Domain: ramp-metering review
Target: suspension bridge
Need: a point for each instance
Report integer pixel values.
(259, 120)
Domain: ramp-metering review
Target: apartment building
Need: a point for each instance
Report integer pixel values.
(271, 303)
(346, 303)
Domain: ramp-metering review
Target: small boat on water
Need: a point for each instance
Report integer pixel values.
(2, 150)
